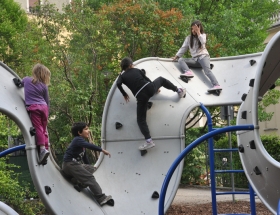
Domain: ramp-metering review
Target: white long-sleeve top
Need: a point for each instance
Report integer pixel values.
(195, 51)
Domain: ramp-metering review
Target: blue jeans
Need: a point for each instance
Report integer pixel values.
(204, 63)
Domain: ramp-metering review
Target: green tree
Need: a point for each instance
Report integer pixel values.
(11, 192)
(144, 29)
(239, 27)
(270, 98)
(12, 23)
(84, 51)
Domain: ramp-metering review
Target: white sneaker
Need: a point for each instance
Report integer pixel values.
(216, 87)
(188, 74)
(104, 201)
(147, 146)
(182, 92)
(43, 156)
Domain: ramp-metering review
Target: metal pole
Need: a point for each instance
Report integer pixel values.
(230, 159)
(252, 200)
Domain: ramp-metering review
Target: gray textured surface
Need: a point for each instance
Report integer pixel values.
(266, 184)
(6, 210)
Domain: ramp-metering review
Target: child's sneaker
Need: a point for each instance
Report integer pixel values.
(104, 201)
(216, 87)
(182, 92)
(188, 74)
(43, 156)
(147, 145)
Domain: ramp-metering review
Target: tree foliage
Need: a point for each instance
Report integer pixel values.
(239, 27)
(12, 192)
(12, 24)
(270, 98)
(144, 29)
(84, 52)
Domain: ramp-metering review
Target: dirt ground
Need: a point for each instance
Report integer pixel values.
(228, 207)
(197, 201)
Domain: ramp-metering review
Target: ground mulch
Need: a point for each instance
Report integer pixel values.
(229, 207)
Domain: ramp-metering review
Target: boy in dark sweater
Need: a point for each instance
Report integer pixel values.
(73, 166)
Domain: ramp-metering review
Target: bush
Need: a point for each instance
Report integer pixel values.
(272, 145)
(13, 193)
(194, 162)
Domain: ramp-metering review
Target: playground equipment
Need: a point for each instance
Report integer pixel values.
(133, 180)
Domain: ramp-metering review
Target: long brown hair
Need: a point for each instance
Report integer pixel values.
(41, 73)
(198, 23)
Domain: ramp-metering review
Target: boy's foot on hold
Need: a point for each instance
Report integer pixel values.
(182, 92)
(216, 87)
(147, 145)
(104, 201)
(188, 74)
(43, 156)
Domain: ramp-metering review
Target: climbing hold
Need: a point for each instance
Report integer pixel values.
(143, 152)
(272, 87)
(241, 148)
(244, 115)
(48, 190)
(252, 62)
(32, 131)
(118, 125)
(257, 171)
(155, 195)
(244, 97)
(17, 82)
(252, 81)
(252, 144)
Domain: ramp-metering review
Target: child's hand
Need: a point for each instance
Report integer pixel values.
(126, 98)
(197, 29)
(174, 58)
(106, 152)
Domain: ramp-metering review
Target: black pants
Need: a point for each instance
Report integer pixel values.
(143, 99)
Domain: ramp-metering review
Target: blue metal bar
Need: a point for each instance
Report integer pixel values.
(229, 171)
(278, 208)
(226, 150)
(187, 150)
(252, 200)
(232, 192)
(211, 160)
(11, 150)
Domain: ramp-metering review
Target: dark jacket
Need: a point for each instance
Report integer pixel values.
(76, 149)
(134, 79)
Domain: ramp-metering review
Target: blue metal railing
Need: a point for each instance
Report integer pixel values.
(11, 150)
(189, 148)
(213, 171)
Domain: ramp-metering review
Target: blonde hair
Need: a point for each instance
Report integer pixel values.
(41, 73)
